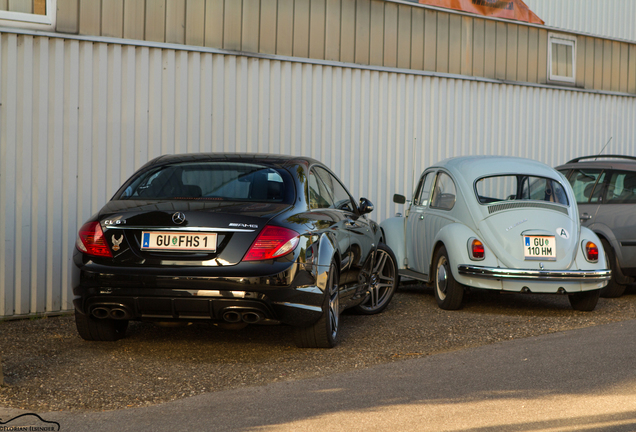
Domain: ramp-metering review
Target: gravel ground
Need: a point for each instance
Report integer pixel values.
(48, 367)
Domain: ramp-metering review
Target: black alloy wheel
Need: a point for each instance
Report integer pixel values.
(105, 330)
(448, 292)
(324, 333)
(382, 281)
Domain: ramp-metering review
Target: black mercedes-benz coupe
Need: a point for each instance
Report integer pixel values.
(236, 239)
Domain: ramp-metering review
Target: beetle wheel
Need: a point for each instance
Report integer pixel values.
(448, 292)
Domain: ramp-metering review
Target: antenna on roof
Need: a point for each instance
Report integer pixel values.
(608, 141)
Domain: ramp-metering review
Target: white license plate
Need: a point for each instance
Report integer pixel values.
(178, 241)
(539, 247)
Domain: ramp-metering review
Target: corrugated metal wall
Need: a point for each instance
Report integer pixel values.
(369, 32)
(78, 117)
(609, 18)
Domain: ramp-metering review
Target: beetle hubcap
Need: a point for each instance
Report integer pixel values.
(442, 278)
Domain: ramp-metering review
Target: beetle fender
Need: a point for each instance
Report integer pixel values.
(583, 264)
(455, 238)
(393, 232)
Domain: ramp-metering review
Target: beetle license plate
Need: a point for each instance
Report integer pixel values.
(178, 241)
(539, 248)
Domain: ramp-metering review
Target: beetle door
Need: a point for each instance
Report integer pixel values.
(415, 226)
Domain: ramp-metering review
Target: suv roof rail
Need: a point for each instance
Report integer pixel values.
(612, 156)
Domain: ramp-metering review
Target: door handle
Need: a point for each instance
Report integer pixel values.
(421, 217)
(585, 217)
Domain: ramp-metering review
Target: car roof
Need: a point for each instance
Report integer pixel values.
(273, 159)
(474, 167)
(620, 162)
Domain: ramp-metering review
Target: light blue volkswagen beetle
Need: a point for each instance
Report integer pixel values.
(498, 223)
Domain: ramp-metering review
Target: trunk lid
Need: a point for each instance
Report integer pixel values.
(236, 225)
(503, 232)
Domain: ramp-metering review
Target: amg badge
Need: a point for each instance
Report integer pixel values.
(242, 225)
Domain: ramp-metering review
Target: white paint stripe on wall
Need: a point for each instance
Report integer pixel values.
(78, 117)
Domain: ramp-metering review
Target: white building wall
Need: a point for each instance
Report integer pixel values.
(608, 18)
(77, 117)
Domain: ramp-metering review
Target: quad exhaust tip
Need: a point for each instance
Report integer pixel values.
(249, 317)
(117, 312)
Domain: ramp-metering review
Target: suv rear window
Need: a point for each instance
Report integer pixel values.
(519, 187)
(221, 181)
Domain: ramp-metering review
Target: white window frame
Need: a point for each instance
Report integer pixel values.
(561, 39)
(30, 20)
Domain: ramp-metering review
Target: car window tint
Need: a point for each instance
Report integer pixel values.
(519, 187)
(219, 181)
(341, 198)
(319, 197)
(444, 192)
(583, 182)
(622, 188)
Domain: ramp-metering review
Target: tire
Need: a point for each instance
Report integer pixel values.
(381, 283)
(105, 330)
(584, 301)
(324, 333)
(613, 288)
(448, 292)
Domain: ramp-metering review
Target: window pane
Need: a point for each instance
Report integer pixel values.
(215, 181)
(519, 187)
(318, 195)
(622, 188)
(341, 198)
(37, 7)
(583, 182)
(444, 193)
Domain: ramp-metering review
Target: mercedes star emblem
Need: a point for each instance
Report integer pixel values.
(178, 218)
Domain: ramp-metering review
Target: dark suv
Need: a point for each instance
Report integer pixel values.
(605, 190)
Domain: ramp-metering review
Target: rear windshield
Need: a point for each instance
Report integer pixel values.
(220, 181)
(519, 187)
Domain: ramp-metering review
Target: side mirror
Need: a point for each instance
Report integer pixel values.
(365, 206)
(399, 199)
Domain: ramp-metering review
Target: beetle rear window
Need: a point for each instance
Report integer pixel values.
(217, 181)
(519, 188)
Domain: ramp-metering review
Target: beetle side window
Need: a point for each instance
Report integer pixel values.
(340, 197)
(585, 184)
(444, 192)
(424, 189)
(622, 188)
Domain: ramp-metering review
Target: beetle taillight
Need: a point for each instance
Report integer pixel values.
(591, 251)
(272, 242)
(477, 250)
(91, 240)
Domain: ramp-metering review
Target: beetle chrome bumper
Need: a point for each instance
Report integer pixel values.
(528, 274)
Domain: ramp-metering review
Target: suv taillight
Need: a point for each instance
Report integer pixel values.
(91, 240)
(272, 242)
(591, 251)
